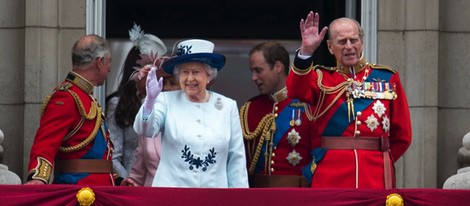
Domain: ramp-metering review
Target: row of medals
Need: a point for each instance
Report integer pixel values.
(293, 137)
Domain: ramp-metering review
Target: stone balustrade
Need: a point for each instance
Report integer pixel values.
(6, 177)
(461, 180)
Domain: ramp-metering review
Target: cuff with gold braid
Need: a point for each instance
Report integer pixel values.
(302, 65)
(42, 171)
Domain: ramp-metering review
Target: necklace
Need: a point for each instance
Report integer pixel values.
(206, 98)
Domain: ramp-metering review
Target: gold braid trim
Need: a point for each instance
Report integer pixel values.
(265, 121)
(95, 111)
(75, 130)
(46, 102)
(42, 171)
(62, 87)
(308, 112)
(324, 90)
(89, 139)
(266, 128)
(301, 71)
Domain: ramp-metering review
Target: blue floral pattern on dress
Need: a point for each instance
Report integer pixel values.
(198, 162)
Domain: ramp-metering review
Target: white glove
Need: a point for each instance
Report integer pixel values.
(153, 89)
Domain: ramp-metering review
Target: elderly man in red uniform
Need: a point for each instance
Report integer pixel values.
(360, 109)
(277, 132)
(72, 142)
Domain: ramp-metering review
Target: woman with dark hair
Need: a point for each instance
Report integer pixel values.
(123, 105)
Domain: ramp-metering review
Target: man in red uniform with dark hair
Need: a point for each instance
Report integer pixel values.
(72, 145)
(278, 135)
(361, 109)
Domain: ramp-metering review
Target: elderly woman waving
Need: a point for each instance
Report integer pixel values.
(202, 143)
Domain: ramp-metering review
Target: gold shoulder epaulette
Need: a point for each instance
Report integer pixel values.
(324, 68)
(380, 66)
(65, 86)
(62, 87)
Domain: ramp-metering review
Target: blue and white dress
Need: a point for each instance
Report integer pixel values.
(202, 143)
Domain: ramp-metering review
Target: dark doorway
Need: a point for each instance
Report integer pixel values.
(229, 19)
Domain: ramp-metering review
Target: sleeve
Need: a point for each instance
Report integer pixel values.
(138, 170)
(151, 124)
(59, 117)
(300, 80)
(116, 134)
(236, 163)
(400, 122)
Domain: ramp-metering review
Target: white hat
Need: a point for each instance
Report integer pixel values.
(194, 50)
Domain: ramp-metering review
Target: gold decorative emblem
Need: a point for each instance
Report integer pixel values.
(293, 137)
(313, 167)
(298, 104)
(394, 199)
(379, 108)
(372, 122)
(85, 196)
(386, 124)
(294, 158)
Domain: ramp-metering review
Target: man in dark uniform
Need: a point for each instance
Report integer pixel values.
(278, 135)
(72, 142)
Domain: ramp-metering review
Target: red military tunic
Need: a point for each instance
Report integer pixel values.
(71, 128)
(377, 109)
(285, 133)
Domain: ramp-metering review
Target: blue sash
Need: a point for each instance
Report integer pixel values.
(282, 126)
(339, 121)
(96, 152)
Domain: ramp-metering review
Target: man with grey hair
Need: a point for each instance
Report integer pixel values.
(361, 109)
(72, 144)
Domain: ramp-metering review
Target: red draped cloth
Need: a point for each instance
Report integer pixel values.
(108, 195)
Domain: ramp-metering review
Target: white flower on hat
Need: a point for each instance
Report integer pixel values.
(151, 54)
(147, 43)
